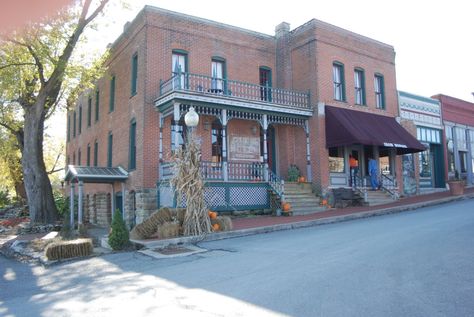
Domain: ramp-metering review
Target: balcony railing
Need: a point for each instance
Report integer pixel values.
(230, 88)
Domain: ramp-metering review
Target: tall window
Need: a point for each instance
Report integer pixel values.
(79, 157)
(88, 158)
(379, 92)
(112, 94)
(109, 149)
(89, 111)
(74, 125)
(178, 67)
(359, 86)
(97, 95)
(265, 81)
(338, 81)
(132, 164)
(96, 153)
(218, 75)
(216, 140)
(68, 127)
(80, 119)
(336, 160)
(133, 86)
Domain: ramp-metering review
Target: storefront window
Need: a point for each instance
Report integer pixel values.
(384, 164)
(336, 160)
(425, 164)
(450, 147)
(463, 161)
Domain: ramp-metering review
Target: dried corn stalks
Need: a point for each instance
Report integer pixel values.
(188, 185)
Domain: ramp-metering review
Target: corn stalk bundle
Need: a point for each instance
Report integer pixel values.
(148, 227)
(188, 184)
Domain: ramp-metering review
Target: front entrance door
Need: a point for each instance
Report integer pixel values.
(118, 203)
(356, 174)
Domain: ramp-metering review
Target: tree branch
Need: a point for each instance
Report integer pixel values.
(38, 63)
(53, 170)
(16, 64)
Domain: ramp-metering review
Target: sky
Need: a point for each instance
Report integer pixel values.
(433, 40)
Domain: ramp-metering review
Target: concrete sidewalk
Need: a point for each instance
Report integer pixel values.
(264, 224)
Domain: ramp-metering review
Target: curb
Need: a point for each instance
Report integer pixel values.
(299, 224)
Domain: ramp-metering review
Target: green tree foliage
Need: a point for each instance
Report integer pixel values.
(38, 71)
(118, 237)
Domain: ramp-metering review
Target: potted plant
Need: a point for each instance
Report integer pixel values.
(293, 173)
(456, 185)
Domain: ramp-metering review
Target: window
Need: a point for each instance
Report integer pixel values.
(450, 147)
(80, 119)
(265, 81)
(68, 127)
(336, 160)
(379, 92)
(109, 149)
(218, 75)
(178, 67)
(73, 158)
(338, 81)
(112, 94)
(133, 147)
(96, 153)
(97, 95)
(133, 86)
(74, 122)
(79, 157)
(89, 111)
(216, 139)
(88, 158)
(359, 86)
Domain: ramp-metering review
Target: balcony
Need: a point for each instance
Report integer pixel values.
(203, 88)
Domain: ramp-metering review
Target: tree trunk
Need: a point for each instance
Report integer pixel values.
(37, 185)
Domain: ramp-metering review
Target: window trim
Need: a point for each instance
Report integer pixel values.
(382, 106)
(362, 86)
(132, 149)
(342, 83)
(134, 75)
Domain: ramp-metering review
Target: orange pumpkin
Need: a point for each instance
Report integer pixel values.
(324, 202)
(301, 179)
(216, 227)
(213, 215)
(286, 207)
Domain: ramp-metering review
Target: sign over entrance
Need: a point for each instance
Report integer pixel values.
(244, 148)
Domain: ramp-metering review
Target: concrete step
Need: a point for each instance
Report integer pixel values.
(307, 211)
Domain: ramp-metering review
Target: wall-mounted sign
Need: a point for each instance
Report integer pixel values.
(244, 148)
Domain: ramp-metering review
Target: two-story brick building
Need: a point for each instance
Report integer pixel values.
(307, 97)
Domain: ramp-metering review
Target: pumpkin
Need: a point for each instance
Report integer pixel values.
(301, 179)
(216, 227)
(212, 214)
(324, 202)
(286, 207)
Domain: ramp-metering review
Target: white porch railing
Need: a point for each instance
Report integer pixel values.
(231, 88)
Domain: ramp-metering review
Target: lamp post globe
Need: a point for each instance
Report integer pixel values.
(191, 119)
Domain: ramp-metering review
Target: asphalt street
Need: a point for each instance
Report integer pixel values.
(418, 263)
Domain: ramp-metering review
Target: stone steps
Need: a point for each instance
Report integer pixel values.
(301, 198)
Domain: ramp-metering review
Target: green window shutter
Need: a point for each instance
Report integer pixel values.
(112, 94)
(96, 153)
(80, 120)
(133, 86)
(109, 150)
(97, 105)
(89, 111)
(364, 101)
(133, 147)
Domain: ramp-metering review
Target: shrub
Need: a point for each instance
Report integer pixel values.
(118, 237)
(4, 198)
(293, 173)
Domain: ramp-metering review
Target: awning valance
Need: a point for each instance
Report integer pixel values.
(347, 127)
(95, 174)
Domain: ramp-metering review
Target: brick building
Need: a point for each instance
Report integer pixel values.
(306, 98)
(458, 121)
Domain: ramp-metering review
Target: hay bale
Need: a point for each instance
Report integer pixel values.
(148, 227)
(178, 215)
(224, 222)
(69, 249)
(168, 230)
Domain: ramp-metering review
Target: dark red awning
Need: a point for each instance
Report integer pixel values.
(347, 127)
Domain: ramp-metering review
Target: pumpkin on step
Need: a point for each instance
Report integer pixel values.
(212, 214)
(216, 227)
(286, 207)
(301, 179)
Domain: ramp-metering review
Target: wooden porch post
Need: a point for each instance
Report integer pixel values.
(308, 153)
(224, 145)
(265, 150)
(79, 203)
(160, 146)
(71, 206)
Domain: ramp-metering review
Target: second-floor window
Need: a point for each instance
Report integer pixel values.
(379, 92)
(96, 153)
(89, 111)
(80, 119)
(110, 146)
(68, 127)
(112, 94)
(133, 86)
(217, 73)
(97, 95)
(178, 67)
(338, 81)
(132, 164)
(88, 157)
(74, 124)
(359, 87)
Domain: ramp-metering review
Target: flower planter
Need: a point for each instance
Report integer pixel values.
(456, 187)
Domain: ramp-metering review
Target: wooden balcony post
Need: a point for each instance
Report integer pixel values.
(265, 150)
(225, 172)
(309, 175)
